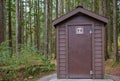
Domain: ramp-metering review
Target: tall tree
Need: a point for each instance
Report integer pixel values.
(101, 7)
(10, 25)
(95, 6)
(30, 22)
(46, 27)
(50, 27)
(17, 24)
(21, 25)
(105, 13)
(37, 25)
(56, 8)
(109, 29)
(67, 5)
(61, 7)
(26, 22)
(2, 25)
(115, 35)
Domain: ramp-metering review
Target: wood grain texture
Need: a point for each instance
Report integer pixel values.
(62, 51)
(98, 51)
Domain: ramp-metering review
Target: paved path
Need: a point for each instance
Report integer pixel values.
(115, 78)
(48, 78)
(82, 80)
(53, 77)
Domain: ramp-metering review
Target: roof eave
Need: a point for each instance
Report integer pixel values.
(81, 10)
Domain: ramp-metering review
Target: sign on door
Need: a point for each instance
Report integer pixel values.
(79, 30)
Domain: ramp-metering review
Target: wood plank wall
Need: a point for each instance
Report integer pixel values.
(98, 54)
(62, 51)
(98, 51)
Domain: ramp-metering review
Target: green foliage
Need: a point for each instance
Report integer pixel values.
(4, 49)
(33, 70)
(27, 63)
(119, 42)
(6, 74)
(27, 55)
(4, 53)
(46, 64)
(115, 64)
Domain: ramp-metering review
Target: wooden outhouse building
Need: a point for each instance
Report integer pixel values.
(80, 38)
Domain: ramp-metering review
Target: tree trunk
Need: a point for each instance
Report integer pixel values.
(26, 24)
(17, 25)
(100, 7)
(46, 27)
(37, 25)
(30, 23)
(56, 8)
(21, 25)
(93, 6)
(50, 27)
(10, 27)
(67, 6)
(2, 24)
(109, 29)
(115, 35)
(105, 10)
(60, 8)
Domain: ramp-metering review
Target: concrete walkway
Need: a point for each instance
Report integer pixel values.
(81, 80)
(115, 78)
(48, 78)
(53, 77)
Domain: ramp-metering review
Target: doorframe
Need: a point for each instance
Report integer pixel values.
(67, 45)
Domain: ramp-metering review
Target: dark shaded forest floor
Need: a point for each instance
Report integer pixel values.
(112, 68)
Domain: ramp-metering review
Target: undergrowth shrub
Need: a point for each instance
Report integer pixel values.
(46, 64)
(27, 63)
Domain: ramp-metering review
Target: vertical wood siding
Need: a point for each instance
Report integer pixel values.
(62, 51)
(98, 54)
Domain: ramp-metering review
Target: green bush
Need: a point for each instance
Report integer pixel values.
(46, 64)
(7, 74)
(18, 74)
(27, 63)
(21, 72)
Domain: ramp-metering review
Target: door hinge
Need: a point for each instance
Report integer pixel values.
(91, 72)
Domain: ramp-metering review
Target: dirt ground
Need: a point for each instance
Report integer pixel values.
(112, 70)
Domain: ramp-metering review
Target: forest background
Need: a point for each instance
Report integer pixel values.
(27, 34)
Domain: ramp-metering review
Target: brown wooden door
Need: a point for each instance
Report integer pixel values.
(79, 51)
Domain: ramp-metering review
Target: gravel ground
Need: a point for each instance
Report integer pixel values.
(54, 76)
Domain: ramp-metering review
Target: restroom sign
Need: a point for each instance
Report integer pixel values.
(79, 30)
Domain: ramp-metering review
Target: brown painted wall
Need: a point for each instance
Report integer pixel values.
(97, 46)
(61, 50)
